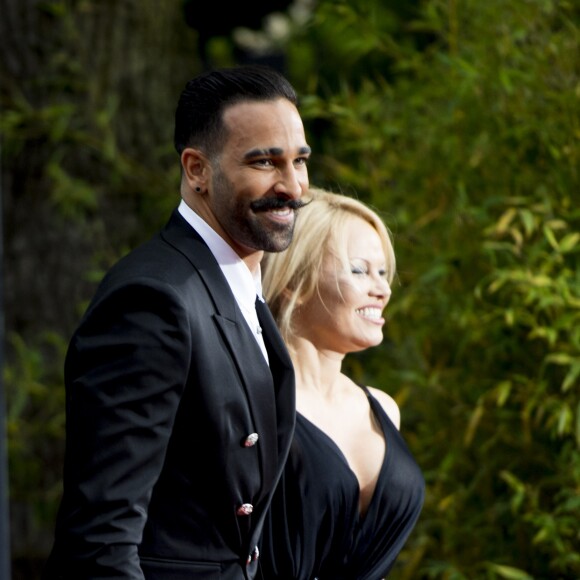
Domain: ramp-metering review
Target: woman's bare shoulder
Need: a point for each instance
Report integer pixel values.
(389, 405)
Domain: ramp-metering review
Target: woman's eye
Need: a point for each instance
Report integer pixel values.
(358, 270)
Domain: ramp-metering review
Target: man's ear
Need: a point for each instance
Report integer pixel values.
(195, 169)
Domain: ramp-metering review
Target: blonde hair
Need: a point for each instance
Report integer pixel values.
(291, 277)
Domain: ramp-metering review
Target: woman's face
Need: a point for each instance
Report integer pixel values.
(346, 315)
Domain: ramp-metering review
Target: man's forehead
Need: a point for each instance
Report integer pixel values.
(276, 112)
(249, 103)
(271, 128)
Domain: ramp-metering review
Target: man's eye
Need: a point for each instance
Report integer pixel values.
(263, 162)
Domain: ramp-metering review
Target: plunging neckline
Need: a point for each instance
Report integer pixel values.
(338, 451)
(313, 528)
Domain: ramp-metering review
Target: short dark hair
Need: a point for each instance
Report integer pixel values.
(199, 114)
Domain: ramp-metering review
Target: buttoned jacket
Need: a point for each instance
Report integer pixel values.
(177, 428)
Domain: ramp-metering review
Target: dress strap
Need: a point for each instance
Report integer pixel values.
(365, 389)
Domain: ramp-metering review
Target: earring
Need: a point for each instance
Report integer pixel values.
(198, 189)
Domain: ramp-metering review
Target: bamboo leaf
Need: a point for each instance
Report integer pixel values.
(549, 234)
(569, 242)
(509, 572)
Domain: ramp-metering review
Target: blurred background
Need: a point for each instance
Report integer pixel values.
(458, 120)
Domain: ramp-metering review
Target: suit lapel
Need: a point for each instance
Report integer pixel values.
(255, 375)
(259, 387)
(187, 241)
(284, 392)
(283, 373)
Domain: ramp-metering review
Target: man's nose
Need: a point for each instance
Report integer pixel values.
(293, 182)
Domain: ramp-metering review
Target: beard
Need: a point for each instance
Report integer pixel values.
(246, 222)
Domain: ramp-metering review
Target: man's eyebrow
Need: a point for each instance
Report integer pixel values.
(274, 152)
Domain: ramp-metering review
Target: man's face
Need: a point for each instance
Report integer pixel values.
(259, 177)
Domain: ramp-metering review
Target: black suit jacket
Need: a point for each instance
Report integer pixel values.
(164, 384)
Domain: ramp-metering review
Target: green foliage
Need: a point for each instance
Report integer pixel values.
(35, 422)
(459, 122)
(461, 127)
(88, 172)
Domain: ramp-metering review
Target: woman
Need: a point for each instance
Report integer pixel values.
(351, 491)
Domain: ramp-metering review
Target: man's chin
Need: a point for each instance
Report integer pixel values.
(274, 239)
(275, 244)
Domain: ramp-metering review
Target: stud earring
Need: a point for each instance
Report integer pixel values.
(198, 189)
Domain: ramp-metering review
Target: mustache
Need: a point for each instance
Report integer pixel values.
(269, 203)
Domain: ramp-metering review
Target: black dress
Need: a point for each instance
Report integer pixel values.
(314, 530)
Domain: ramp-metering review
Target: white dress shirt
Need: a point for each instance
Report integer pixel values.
(244, 285)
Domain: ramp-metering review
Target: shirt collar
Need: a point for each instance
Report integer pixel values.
(244, 284)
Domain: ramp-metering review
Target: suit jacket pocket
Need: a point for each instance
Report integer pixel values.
(162, 569)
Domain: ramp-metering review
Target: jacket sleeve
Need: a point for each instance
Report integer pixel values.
(125, 373)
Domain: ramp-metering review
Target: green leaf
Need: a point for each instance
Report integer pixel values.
(569, 242)
(577, 430)
(509, 573)
(549, 234)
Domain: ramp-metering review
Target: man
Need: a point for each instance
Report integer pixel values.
(180, 392)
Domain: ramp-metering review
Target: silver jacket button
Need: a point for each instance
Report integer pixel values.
(251, 440)
(245, 509)
(253, 556)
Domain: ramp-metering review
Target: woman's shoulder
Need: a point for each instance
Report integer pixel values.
(389, 405)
